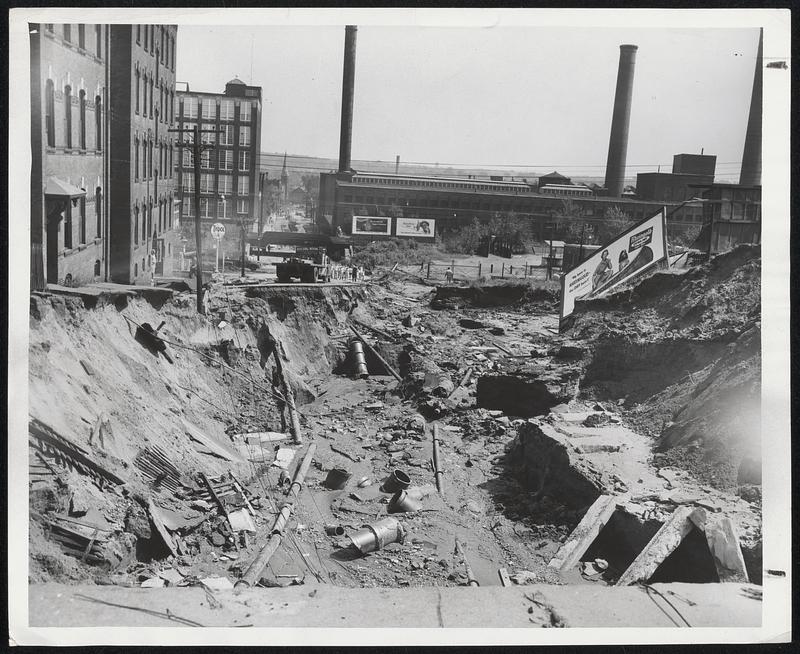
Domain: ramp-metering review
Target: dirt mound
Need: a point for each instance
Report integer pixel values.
(682, 352)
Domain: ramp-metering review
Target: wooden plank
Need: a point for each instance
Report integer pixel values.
(583, 535)
(663, 543)
(160, 528)
(726, 551)
(504, 578)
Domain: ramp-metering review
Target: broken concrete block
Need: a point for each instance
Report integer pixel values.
(241, 521)
(217, 583)
(153, 582)
(665, 541)
(88, 368)
(283, 458)
(584, 534)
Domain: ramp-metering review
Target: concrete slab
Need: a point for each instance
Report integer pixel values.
(720, 605)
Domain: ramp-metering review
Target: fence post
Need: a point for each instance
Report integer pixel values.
(526, 269)
(422, 266)
(511, 269)
(491, 268)
(429, 270)
(479, 270)
(503, 271)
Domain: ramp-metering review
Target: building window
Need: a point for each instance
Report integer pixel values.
(98, 124)
(68, 115)
(188, 207)
(82, 120)
(244, 161)
(205, 159)
(136, 225)
(171, 156)
(225, 183)
(97, 267)
(209, 109)
(243, 185)
(244, 136)
(98, 41)
(244, 112)
(138, 90)
(68, 32)
(208, 137)
(188, 134)
(82, 205)
(68, 226)
(146, 39)
(161, 102)
(186, 160)
(226, 110)
(49, 112)
(146, 213)
(144, 158)
(171, 107)
(161, 42)
(206, 183)
(226, 160)
(172, 54)
(82, 36)
(226, 135)
(136, 158)
(205, 208)
(188, 183)
(242, 206)
(98, 212)
(190, 107)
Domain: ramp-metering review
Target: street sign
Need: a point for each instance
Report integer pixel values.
(217, 230)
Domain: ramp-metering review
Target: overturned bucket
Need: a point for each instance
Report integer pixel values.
(359, 361)
(396, 482)
(377, 535)
(337, 478)
(402, 502)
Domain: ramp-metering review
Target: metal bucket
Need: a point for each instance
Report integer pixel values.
(396, 482)
(377, 535)
(337, 478)
(359, 361)
(334, 530)
(402, 502)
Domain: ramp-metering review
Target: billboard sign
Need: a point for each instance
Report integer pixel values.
(421, 227)
(372, 225)
(637, 249)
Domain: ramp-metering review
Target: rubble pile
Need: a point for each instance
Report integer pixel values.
(387, 435)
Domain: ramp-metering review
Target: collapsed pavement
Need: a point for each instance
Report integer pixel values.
(538, 473)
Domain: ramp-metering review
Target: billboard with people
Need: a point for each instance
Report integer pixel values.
(637, 249)
(421, 227)
(372, 225)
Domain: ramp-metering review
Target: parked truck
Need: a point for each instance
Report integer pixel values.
(309, 269)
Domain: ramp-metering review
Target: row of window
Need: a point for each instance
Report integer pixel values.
(226, 134)
(69, 223)
(207, 208)
(143, 219)
(448, 184)
(145, 97)
(79, 39)
(160, 44)
(224, 184)
(210, 109)
(50, 119)
(143, 166)
(224, 160)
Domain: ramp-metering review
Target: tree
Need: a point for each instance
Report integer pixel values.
(311, 184)
(614, 222)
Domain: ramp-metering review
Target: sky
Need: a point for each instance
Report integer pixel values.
(488, 96)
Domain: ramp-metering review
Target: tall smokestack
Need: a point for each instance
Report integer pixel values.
(751, 158)
(620, 122)
(397, 164)
(348, 81)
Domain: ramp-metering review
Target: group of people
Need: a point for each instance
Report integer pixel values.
(339, 273)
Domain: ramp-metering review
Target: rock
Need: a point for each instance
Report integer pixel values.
(497, 331)
(467, 323)
(410, 320)
(596, 420)
(524, 577)
(217, 539)
(137, 522)
(571, 351)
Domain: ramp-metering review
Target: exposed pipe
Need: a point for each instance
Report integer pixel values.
(383, 361)
(470, 576)
(437, 471)
(253, 572)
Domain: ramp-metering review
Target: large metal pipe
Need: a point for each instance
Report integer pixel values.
(620, 121)
(751, 158)
(437, 469)
(348, 89)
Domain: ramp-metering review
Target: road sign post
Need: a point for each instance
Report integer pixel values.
(217, 232)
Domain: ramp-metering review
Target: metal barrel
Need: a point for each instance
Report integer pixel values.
(334, 530)
(360, 362)
(395, 482)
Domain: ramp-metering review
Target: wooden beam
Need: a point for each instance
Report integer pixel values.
(584, 534)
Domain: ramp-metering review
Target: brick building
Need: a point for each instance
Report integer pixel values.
(69, 148)
(229, 169)
(142, 217)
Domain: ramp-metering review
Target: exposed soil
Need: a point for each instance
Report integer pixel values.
(477, 362)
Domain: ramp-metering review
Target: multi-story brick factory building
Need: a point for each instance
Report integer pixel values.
(142, 80)
(229, 167)
(69, 148)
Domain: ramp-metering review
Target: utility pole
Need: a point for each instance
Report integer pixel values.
(197, 149)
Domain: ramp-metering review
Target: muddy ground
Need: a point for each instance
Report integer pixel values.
(477, 363)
